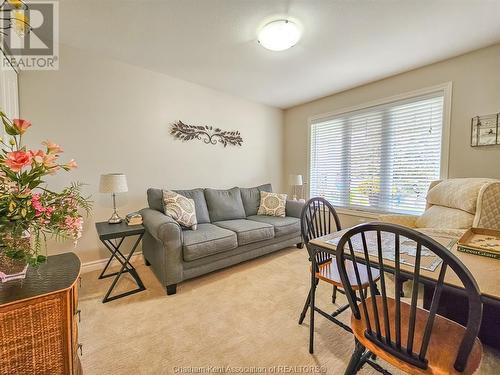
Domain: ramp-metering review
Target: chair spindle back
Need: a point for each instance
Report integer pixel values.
(318, 218)
(375, 310)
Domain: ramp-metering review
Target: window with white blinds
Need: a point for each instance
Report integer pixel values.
(381, 158)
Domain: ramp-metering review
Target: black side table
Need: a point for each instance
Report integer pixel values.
(118, 232)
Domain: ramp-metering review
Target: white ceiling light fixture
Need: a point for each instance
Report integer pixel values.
(279, 35)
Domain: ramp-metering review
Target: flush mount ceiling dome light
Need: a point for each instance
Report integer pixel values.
(279, 35)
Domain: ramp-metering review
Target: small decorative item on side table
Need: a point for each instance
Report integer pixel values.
(118, 232)
(134, 218)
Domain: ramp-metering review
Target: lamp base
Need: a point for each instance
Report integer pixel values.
(115, 219)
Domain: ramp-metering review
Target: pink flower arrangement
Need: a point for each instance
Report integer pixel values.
(37, 205)
(17, 160)
(26, 205)
(52, 148)
(74, 225)
(21, 125)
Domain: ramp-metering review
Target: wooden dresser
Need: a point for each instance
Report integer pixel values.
(39, 320)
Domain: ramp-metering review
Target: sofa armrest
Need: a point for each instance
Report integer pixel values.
(405, 220)
(159, 225)
(488, 206)
(294, 208)
(162, 247)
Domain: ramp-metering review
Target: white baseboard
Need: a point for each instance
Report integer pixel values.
(100, 263)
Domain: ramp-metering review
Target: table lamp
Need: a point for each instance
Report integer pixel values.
(295, 180)
(113, 183)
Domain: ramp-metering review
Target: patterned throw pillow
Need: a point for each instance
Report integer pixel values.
(272, 204)
(180, 208)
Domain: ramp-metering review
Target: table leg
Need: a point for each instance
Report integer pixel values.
(114, 250)
(311, 303)
(118, 255)
(125, 267)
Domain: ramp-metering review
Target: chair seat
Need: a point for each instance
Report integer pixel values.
(329, 272)
(443, 346)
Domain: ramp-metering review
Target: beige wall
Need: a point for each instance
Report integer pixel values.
(113, 117)
(476, 91)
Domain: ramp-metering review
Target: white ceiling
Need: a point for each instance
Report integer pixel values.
(345, 43)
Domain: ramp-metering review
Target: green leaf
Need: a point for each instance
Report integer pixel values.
(10, 130)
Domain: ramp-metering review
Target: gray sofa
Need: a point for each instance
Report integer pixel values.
(229, 232)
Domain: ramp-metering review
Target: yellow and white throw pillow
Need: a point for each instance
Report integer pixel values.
(272, 204)
(180, 208)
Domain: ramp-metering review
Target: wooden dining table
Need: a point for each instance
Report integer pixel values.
(453, 302)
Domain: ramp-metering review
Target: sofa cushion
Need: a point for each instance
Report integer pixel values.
(224, 204)
(199, 202)
(248, 231)
(180, 208)
(155, 202)
(208, 239)
(282, 225)
(458, 193)
(251, 198)
(445, 218)
(155, 199)
(272, 204)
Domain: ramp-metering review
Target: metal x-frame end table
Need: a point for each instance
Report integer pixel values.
(118, 232)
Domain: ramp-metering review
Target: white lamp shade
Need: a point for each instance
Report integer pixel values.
(113, 183)
(295, 180)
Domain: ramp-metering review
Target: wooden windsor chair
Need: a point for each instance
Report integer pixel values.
(319, 218)
(410, 338)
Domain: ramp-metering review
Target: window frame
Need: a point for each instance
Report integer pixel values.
(446, 88)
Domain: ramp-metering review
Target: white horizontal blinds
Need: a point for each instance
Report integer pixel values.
(366, 159)
(415, 152)
(328, 161)
(381, 158)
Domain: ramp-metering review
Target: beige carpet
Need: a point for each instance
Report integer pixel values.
(243, 317)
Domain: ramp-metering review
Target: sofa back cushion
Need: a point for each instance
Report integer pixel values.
(180, 208)
(458, 193)
(155, 202)
(155, 199)
(224, 204)
(199, 202)
(251, 198)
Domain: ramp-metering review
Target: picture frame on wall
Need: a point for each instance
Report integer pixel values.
(484, 130)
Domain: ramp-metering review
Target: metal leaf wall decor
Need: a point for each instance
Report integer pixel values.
(207, 134)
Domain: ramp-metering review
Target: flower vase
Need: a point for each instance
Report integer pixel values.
(12, 269)
(13, 262)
